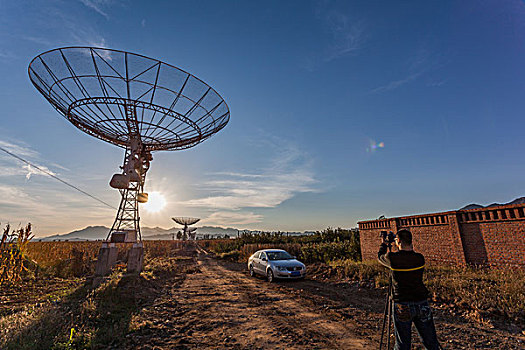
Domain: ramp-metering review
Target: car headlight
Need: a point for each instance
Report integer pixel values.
(281, 268)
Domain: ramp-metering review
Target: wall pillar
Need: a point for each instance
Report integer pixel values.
(456, 238)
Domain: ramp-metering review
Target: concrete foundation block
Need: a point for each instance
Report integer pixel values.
(107, 257)
(136, 258)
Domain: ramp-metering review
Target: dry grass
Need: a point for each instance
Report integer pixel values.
(67, 313)
(49, 254)
(67, 259)
(480, 294)
(485, 292)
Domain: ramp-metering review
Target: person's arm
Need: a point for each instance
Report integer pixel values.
(382, 255)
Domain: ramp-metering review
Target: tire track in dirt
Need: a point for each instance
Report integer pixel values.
(217, 308)
(283, 316)
(361, 309)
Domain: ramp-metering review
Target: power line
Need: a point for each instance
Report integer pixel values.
(56, 177)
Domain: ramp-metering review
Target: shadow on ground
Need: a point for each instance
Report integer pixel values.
(99, 317)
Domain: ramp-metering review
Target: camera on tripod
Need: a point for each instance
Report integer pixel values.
(388, 237)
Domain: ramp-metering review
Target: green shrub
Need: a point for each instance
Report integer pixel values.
(325, 246)
(327, 252)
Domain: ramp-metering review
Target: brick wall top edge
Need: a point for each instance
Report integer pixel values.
(508, 206)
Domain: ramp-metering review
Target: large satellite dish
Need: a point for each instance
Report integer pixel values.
(134, 102)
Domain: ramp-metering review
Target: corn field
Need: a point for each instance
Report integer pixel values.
(13, 246)
(19, 256)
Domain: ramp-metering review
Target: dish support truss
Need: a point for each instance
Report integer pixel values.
(128, 218)
(126, 227)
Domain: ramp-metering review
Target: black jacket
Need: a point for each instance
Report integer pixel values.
(407, 272)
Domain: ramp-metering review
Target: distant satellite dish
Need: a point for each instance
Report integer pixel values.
(185, 220)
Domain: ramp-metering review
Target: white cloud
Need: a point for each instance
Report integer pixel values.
(286, 175)
(81, 34)
(44, 202)
(254, 190)
(92, 40)
(96, 6)
(49, 209)
(349, 36)
(422, 62)
(397, 83)
(20, 169)
(12, 195)
(7, 55)
(42, 170)
(36, 39)
(19, 148)
(348, 33)
(437, 83)
(222, 218)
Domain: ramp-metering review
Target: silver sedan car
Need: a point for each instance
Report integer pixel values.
(275, 263)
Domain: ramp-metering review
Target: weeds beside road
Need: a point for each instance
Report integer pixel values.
(493, 297)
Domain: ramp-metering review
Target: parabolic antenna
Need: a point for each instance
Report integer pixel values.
(132, 101)
(186, 221)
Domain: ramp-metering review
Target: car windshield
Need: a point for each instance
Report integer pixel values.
(279, 256)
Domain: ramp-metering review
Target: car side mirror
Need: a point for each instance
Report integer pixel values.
(263, 259)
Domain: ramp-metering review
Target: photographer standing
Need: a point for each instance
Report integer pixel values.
(409, 294)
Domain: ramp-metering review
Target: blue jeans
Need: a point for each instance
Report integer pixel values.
(404, 313)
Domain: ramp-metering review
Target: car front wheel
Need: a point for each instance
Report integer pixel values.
(252, 273)
(269, 275)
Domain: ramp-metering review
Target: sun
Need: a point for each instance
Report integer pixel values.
(156, 202)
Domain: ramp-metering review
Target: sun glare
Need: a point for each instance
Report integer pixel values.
(156, 202)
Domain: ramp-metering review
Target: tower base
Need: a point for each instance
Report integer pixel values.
(107, 257)
(136, 258)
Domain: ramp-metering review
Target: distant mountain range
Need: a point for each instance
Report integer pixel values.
(520, 200)
(93, 233)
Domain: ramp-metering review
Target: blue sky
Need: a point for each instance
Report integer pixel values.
(314, 89)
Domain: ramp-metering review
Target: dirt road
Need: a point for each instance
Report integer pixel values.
(220, 306)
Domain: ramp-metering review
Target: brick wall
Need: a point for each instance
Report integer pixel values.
(487, 236)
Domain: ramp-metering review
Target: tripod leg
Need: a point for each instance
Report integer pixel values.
(385, 315)
(389, 333)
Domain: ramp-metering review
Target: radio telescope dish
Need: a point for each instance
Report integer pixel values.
(114, 95)
(188, 232)
(185, 220)
(134, 102)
